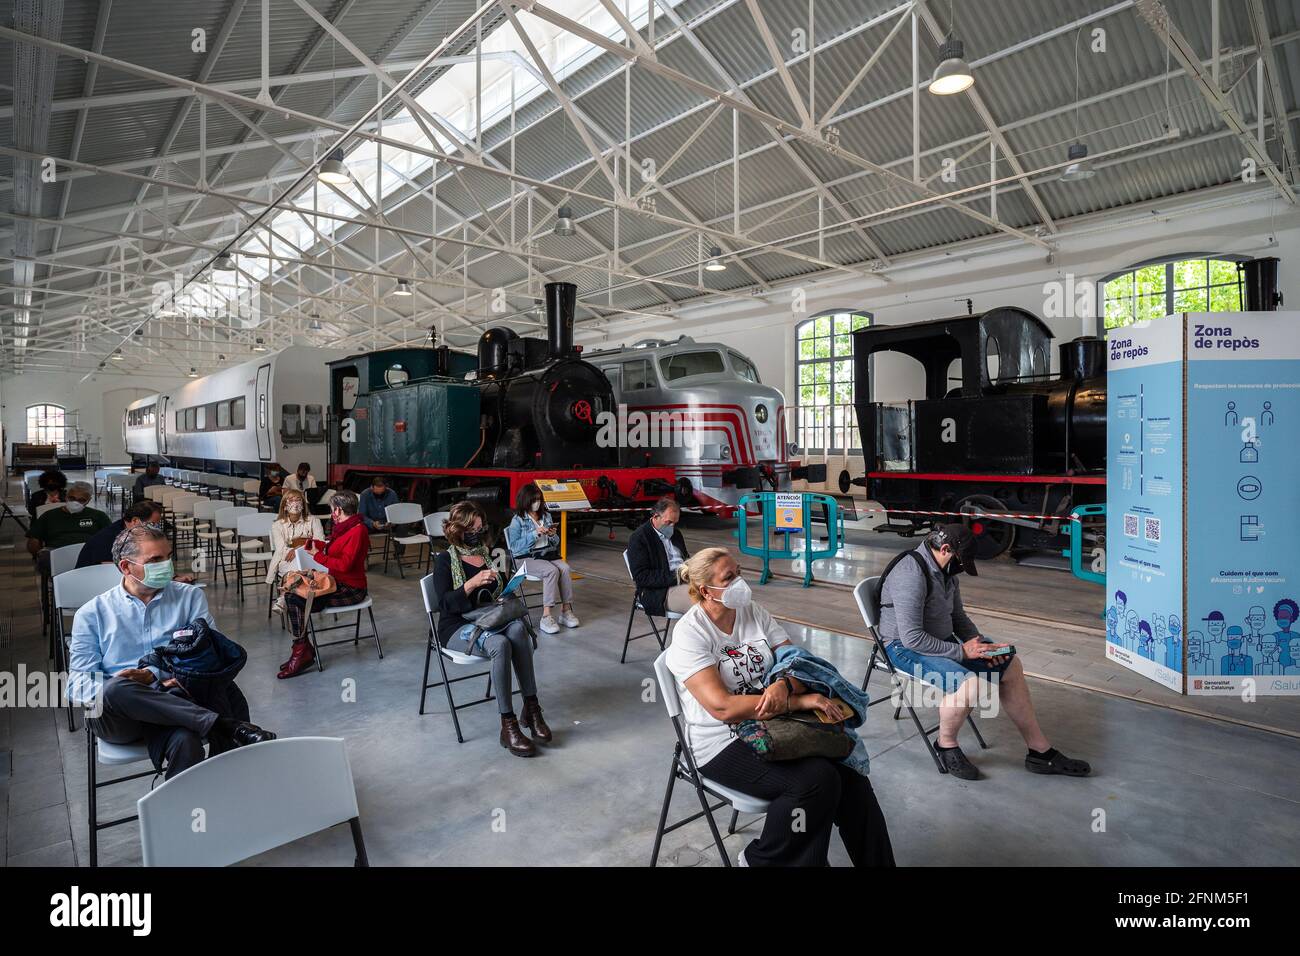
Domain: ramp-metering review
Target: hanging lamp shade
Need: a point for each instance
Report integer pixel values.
(332, 170)
(1080, 167)
(953, 74)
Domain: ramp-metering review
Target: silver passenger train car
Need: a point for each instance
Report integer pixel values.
(240, 419)
(727, 435)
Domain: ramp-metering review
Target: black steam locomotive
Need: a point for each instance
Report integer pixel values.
(443, 425)
(995, 433)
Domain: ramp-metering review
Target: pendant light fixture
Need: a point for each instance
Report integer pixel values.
(403, 288)
(223, 263)
(564, 221)
(333, 170)
(259, 345)
(953, 74)
(715, 262)
(1079, 168)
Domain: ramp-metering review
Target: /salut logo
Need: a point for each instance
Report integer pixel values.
(76, 909)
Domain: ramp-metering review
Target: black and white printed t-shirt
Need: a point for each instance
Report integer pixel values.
(742, 659)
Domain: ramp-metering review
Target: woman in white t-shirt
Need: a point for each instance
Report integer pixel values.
(722, 650)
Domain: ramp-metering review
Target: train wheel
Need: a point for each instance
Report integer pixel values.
(992, 538)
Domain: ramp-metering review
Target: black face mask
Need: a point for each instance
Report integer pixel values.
(472, 538)
(954, 567)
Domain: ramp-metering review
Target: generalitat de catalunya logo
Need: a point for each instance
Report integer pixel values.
(78, 909)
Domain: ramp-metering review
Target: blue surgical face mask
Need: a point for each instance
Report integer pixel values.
(157, 574)
(665, 530)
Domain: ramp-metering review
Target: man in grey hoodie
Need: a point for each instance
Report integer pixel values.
(929, 635)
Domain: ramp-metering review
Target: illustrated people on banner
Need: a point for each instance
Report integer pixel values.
(1236, 662)
(1255, 621)
(1199, 663)
(1266, 416)
(1215, 626)
(1174, 644)
(1145, 640)
(1294, 667)
(1230, 416)
(1131, 631)
(1285, 612)
(1114, 616)
(1268, 654)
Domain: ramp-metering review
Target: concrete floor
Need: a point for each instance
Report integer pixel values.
(1167, 782)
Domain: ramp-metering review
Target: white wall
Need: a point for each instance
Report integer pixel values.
(1002, 271)
(100, 403)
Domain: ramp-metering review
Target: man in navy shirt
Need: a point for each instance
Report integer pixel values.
(99, 549)
(373, 502)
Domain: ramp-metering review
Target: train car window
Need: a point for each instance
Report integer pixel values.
(744, 368)
(237, 413)
(615, 375)
(261, 411)
(349, 396)
(396, 375)
(993, 359)
(223, 414)
(685, 364)
(201, 418)
(180, 421)
(637, 375)
(190, 415)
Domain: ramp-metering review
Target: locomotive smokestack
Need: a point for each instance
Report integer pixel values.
(1260, 279)
(561, 300)
(1083, 358)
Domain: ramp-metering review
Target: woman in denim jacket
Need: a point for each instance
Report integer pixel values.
(534, 541)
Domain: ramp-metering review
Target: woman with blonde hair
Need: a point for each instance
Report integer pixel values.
(464, 580)
(293, 527)
(722, 651)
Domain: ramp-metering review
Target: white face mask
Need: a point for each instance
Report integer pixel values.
(75, 506)
(735, 595)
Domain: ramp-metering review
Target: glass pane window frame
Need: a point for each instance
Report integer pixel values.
(829, 367)
(46, 424)
(1171, 285)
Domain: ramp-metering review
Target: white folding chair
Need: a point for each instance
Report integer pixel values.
(253, 536)
(73, 588)
(445, 654)
(660, 636)
(365, 604)
(683, 768)
(226, 523)
(866, 594)
(407, 512)
(249, 490)
(254, 799)
(61, 559)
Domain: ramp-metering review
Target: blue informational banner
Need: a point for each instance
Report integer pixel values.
(1144, 500)
(1202, 502)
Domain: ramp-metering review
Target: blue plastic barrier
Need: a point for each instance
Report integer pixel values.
(766, 500)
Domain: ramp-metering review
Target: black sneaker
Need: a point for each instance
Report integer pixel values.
(954, 762)
(1053, 761)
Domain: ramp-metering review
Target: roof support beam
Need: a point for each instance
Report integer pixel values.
(1156, 16)
(1277, 102)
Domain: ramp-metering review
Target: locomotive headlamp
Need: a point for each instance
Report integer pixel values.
(760, 412)
(726, 452)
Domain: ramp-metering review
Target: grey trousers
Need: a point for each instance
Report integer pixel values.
(557, 583)
(679, 598)
(512, 646)
(170, 725)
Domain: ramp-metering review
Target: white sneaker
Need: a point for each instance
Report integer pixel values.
(569, 619)
(740, 859)
(549, 626)
(278, 606)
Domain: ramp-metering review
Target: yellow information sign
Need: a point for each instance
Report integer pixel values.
(789, 511)
(561, 495)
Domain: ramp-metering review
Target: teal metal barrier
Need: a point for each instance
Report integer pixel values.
(767, 522)
(1075, 551)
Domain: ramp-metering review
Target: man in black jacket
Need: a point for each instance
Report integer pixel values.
(654, 552)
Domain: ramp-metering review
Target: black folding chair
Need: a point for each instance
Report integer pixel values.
(655, 632)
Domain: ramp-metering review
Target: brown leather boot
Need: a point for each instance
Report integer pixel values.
(302, 658)
(533, 720)
(514, 739)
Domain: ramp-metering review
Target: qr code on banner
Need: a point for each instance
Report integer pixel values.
(1151, 529)
(1130, 526)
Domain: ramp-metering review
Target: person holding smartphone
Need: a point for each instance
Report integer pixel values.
(929, 635)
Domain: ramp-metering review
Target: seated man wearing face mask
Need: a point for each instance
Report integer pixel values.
(654, 553)
(127, 702)
(74, 523)
(929, 635)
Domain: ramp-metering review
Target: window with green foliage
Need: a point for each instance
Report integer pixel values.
(1163, 288)
(45, 424)
(824, 413)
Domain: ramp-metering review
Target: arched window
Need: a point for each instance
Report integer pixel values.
(45, 424)
(825, 419)
(1156, 289)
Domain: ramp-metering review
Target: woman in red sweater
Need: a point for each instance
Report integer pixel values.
(344, 556)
